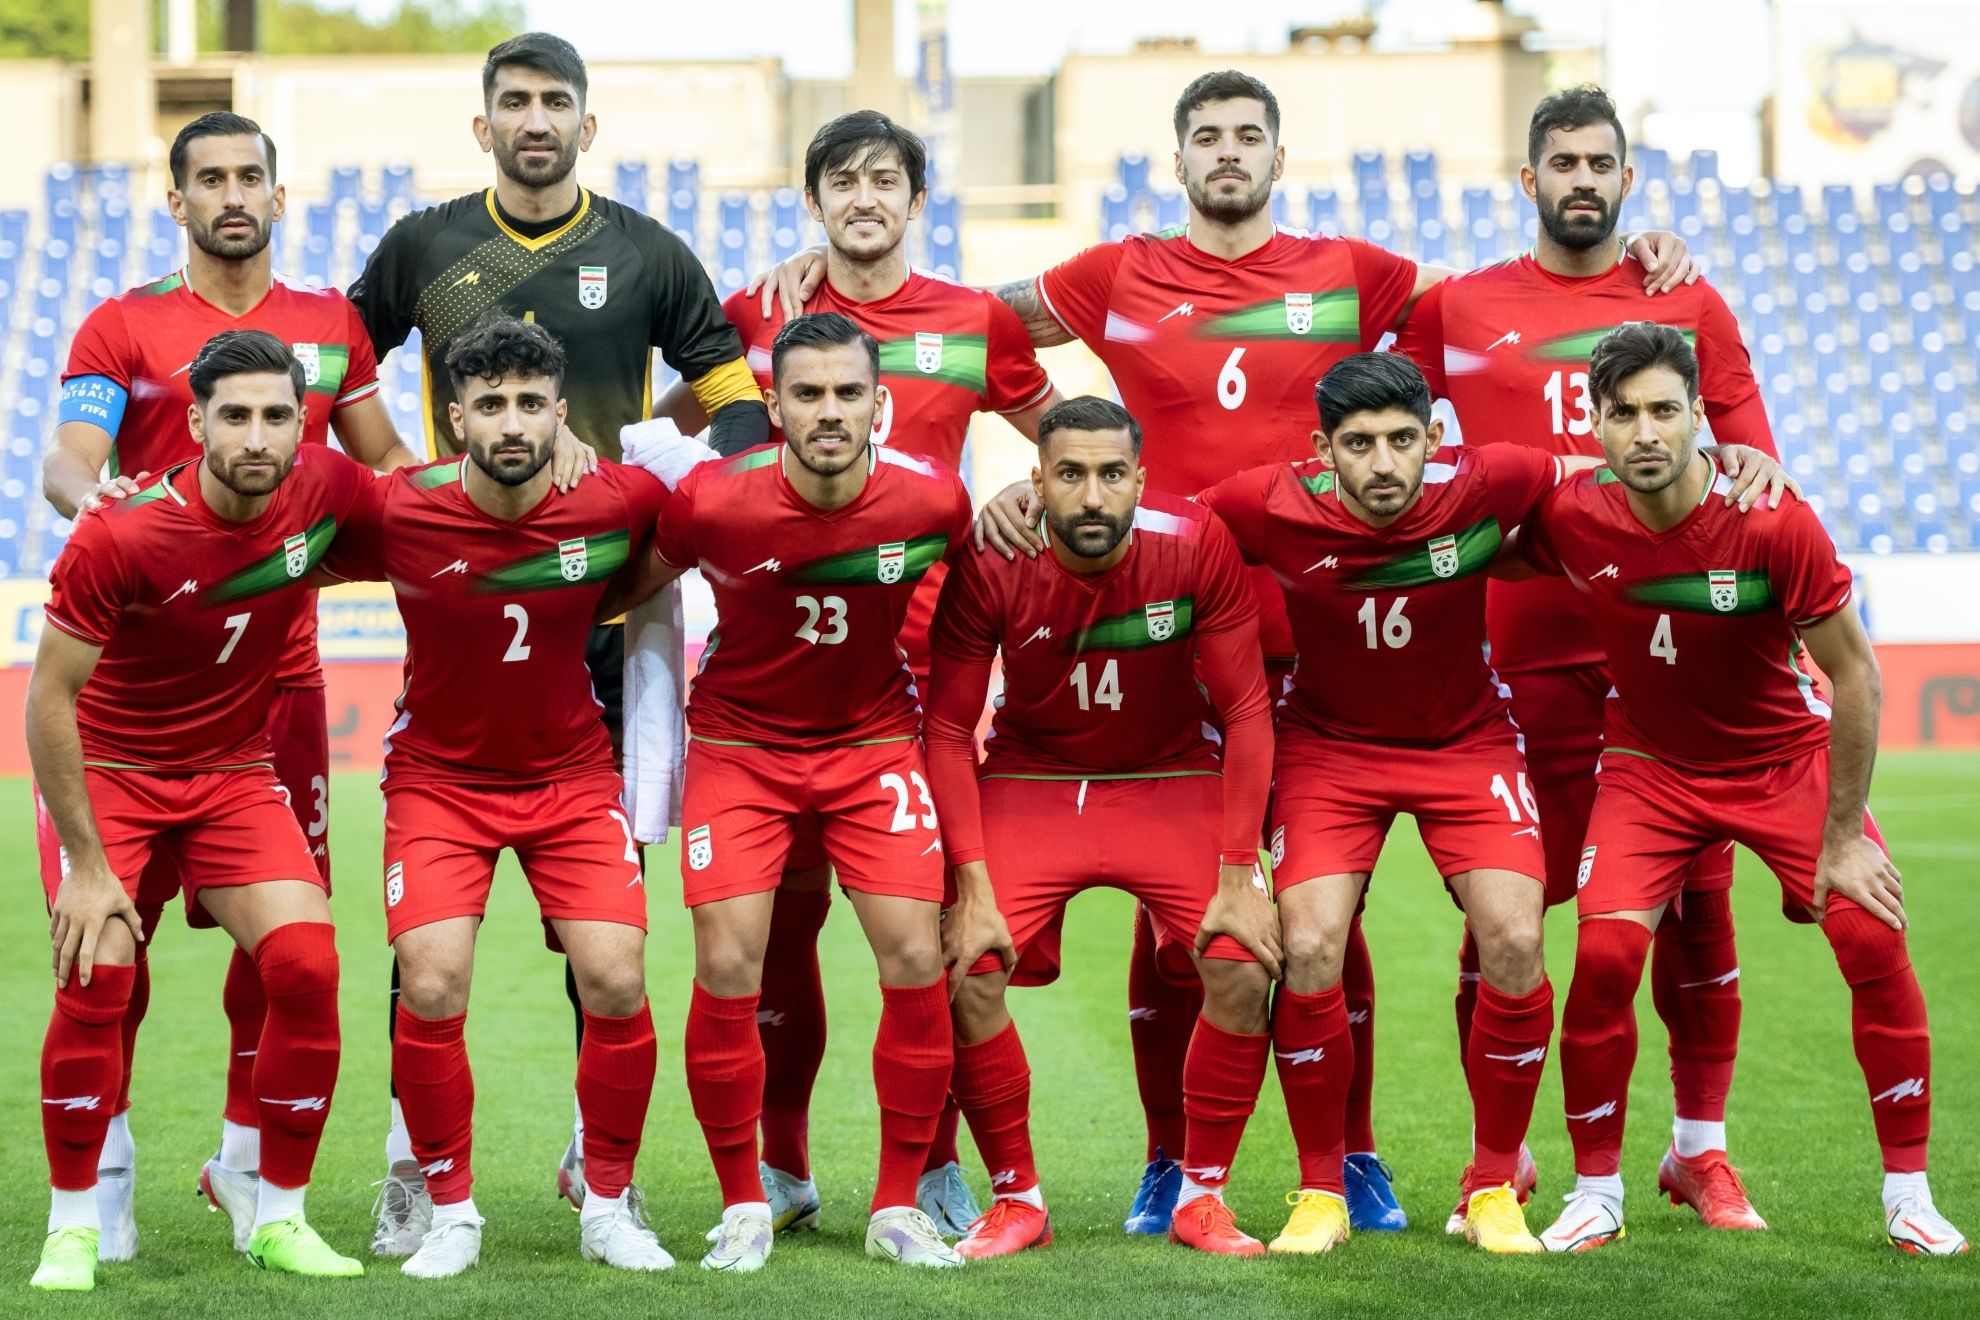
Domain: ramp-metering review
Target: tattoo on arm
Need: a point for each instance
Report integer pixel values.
(1021, 296)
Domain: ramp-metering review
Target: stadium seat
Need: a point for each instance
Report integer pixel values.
(629, 185)
(942, 226)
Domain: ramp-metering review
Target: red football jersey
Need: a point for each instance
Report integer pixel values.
(194, 613)
(496, 613)
(1508, 345)
(809, 602)
(1700, 623)
(1218, 359)
(1390, 621)
(947, 352)
(1101, 672)
(127, 374)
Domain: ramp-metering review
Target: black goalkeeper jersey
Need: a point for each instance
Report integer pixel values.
(611, 283)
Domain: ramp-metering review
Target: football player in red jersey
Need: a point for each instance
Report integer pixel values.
(497, 571)
(805, 708)
(1220, 329)
(1710, 735)
(947, 352)
(169, 618)
(1508, 345)
(123, 411)
(1101, 773)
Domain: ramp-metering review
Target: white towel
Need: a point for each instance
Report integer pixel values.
(656, 666)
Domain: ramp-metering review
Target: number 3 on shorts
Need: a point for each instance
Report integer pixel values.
(904, 817)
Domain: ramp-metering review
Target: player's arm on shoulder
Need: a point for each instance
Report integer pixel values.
(1022, 297)
(1666, 257)
(1528, 551)
(1025, 420)
(678, 405)
(386, 291)
(357, 551)
(1725, 377)
(72, 474)
(1420, 338)
(1850, 863)
(95, 389)
(644, 574)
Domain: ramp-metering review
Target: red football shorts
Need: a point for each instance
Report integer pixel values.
(571, 837)
(1560, 712)
(1333, 801)
(742, 808)
(215, 829)
(299, 728)
(1046, 840)
(1652, 820)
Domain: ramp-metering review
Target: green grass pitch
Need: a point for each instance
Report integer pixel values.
(1800, 1125)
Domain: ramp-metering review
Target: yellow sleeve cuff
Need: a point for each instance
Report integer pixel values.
(729, 383)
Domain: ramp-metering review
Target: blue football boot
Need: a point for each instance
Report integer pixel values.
(1372, 1206)
(1155, 1200)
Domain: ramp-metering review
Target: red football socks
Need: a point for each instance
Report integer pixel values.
(436, 1092)
(1358, 985)
(127, 1032)
(295, 1063)
(725, 1086)
(615, 1071)
(1598, 1039)
(1466, 1002)
(992, 1084)
(790, 1017)
(1508, 1045)
(913, 1057)
(247, 1010)
(1694, 981)
(82, 1066)
(942, 1150)
(1221, 1078)
(1314, 1049)
(1887, 1025)
(1161, 1018)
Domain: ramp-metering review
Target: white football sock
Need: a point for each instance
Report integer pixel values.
(117, 1152)
(278, 1203)
(577, 1125)
(761, 1209)
(1692, 1137)
(1609, 1188)
(240, 1147)
(1191, 1189)
(459, 1212)
(398, 1139)
(1897, 1186)
(1030, 1196)
(598, 1207)
(72, 1209)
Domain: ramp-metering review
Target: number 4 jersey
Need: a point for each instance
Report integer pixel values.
(496, 617)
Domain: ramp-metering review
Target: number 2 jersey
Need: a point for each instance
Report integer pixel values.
(1390, 621)
(497, 613)
(809, 602)
(1701, 623)
(1102, 671)
(194, 613)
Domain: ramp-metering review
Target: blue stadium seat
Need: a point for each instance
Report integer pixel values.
(1900, 236)
(1838, 199)
(1131, 172)
(683, 174)
(1116, 214)
(942, 222)
(1281, 209)
(396, 186)
(786, 208)
(683, 215)
(1653, 165)
(62, 185)
(1370, 171)
(629, 186)
(1887, 200)
(1172, 209)
(1431, 244)
(1704, 164)
(346, 185)
(1323, 211)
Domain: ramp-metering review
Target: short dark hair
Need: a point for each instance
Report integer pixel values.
(1225, 85)
(540, 51)
(218, 123)
(1371, 382)
(820, 330)
(1577, 107)
(500, 345)
(242, 353)
(1088, 412)
(855, 140)
(1637, 346)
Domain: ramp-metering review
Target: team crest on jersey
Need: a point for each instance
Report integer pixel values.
(591, 286)
(1444, 556)
(701, 848)
(312, 362)
(1279, 846)
(1587, 868)
(893, 562)
(295, 554)
(927, 352)
(571, 558)
(395, 884)
(1725, 589)
(1161, 620)
(1299, 312)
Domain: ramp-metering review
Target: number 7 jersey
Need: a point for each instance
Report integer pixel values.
(809, 602)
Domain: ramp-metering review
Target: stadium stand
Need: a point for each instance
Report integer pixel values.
(1863, 319)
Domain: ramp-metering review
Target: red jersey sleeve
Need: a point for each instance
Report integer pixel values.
(1536, 533)
(90, 585)
(1384, 282)
(645, 496)
(1518, 477)
(1809, 582)
(102, 346)
(361, 375)
(1230, 665)
(1013, 380)
(1421, 339)
(673, 536)
(745, 313)
(1725, 378)
(963, 643)
(358, 552)
(1239, 503)
(1076, 292)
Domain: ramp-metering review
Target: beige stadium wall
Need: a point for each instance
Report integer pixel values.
(45, 126)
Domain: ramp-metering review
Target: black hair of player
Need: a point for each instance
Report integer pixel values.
(542, 51)
(1577, 107)
(499, 345)
(1636, 347)
(217, 123)
(1088, 412)
(820, 330)
(241, 353)
(1225, 85)
(855, 140)
(1371, 382)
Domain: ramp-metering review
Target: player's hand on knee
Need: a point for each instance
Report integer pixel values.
(1243, 911)
(109, 493)
(1008, 522)
(791, 282)
(88, 899)
(971, 929)
(1753, 471)
(1860, 871)
(572, 459)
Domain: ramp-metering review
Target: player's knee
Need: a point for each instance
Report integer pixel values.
(433, 990)
(1236, 995)
(978, 1009)
(613, 989)
(1866, 949)
(914, 961)
(298, 960)
(1514, 963)
(1609, 954)
(1312, 956)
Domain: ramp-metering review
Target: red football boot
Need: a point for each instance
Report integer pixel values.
(1710, 1186)
(1007, 1227)
(1207, 1224)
